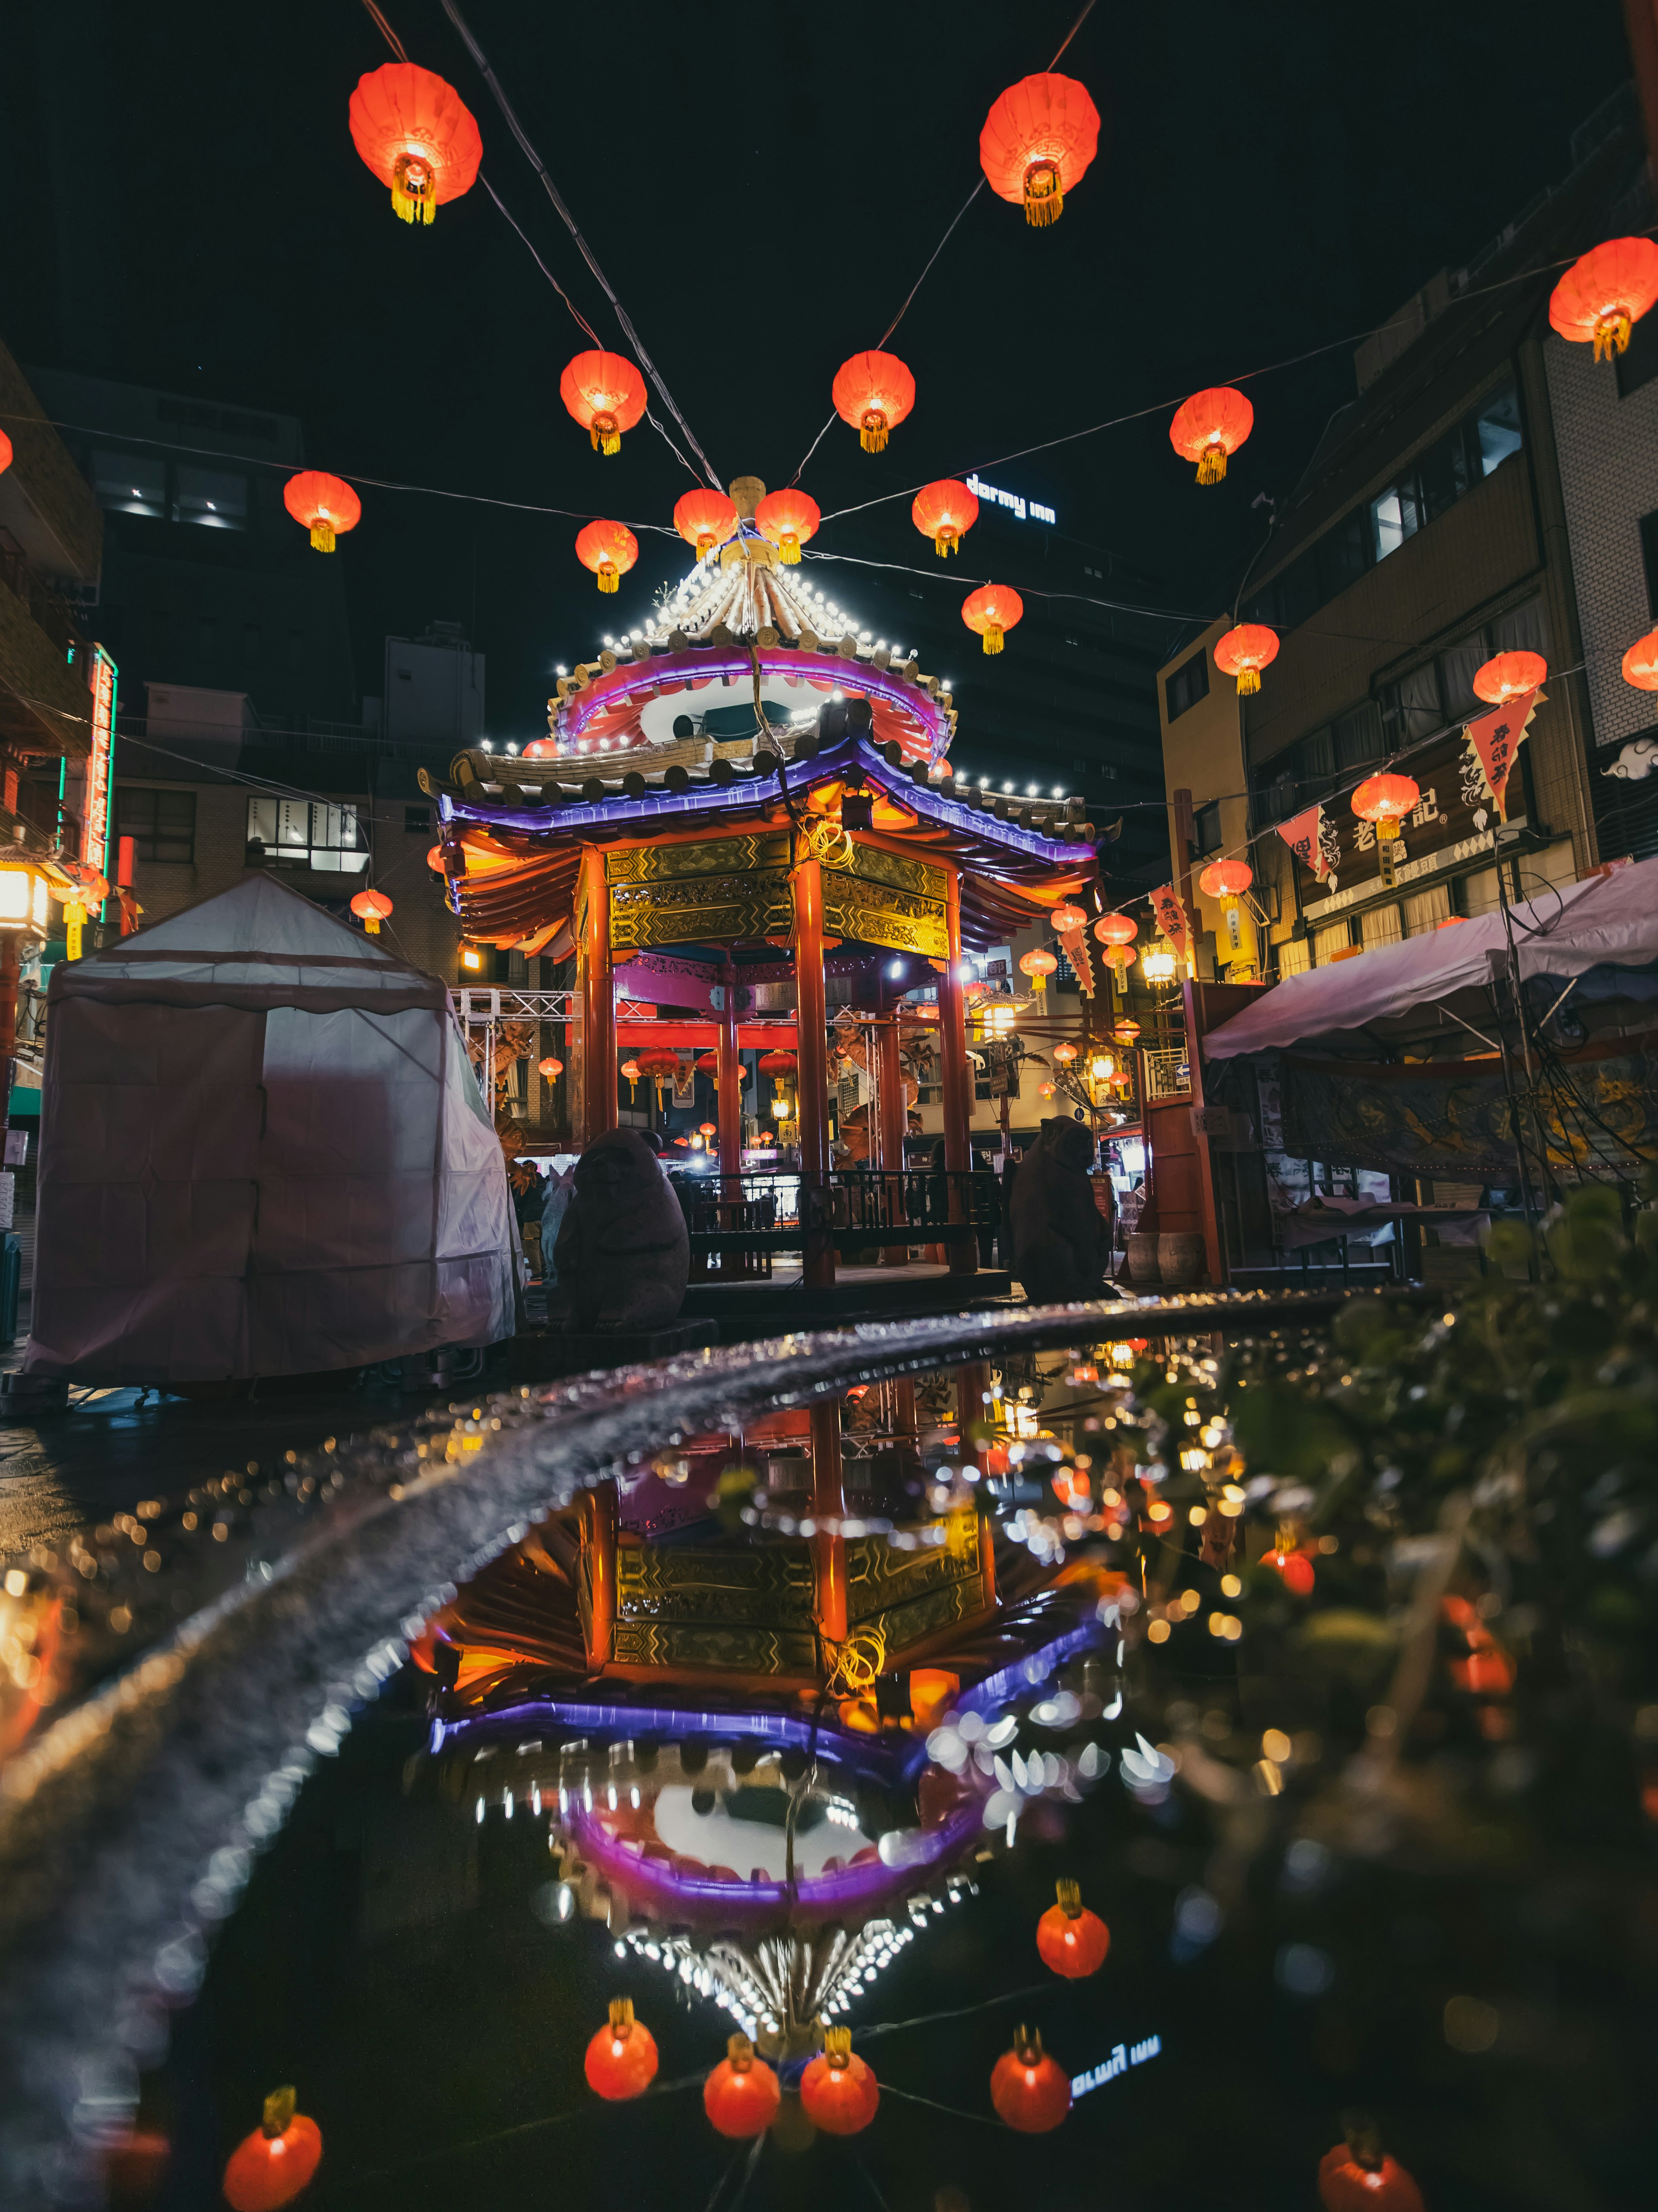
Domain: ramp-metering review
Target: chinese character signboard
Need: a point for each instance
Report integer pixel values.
(1170, 917)
(1316, 842)
(85, 789)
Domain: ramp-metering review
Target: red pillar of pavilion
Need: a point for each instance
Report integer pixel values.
(893, 1121)
(812, 1023)
(828, 1503)
(728, 1071)
(957, 1074)
(599, 1106)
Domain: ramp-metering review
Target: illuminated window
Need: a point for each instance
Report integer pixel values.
(128, 483)
(299, 833)
(211, 498)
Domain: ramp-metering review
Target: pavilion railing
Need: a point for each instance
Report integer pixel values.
(740, 1221)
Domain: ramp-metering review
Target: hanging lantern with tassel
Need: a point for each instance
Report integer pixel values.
(873, 392)
(325, 505)
(789, 518)
(945, 512)
(705, 520)
(418, 136)
(1227, 881)
(992, 610)
(1604, 293)
(606, 395)
(1039, 966)
(1244, 652)
(371, 909)
(1037, 140)
(610, 549)
(1210, 426)
(838, 2090)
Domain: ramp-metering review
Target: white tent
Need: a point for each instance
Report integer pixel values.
(1608, 922)
(263, 1152)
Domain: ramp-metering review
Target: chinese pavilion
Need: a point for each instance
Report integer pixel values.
(730, 784)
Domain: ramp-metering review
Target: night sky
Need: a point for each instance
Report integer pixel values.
(762, 187)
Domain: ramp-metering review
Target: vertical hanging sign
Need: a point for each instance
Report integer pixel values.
(1495, 739)
(1170, 917)
(1316, 842)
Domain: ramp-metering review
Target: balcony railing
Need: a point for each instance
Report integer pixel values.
(742, 1220)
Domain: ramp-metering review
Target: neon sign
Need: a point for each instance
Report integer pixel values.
(1028, 510)
(95, 784)
(1122, 2057)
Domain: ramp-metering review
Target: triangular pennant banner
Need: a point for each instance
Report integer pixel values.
(1496, 740)
(1307, 839)
(1170, 917)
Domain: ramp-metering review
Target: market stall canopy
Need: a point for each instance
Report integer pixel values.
(263, 1152)
(1602, 931)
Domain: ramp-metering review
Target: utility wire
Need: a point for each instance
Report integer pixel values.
(482, 62)
(978, 185)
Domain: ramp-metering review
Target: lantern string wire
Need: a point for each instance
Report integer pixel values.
(480, 60)
(957, 2012)
(911, 2097)
(950, 232)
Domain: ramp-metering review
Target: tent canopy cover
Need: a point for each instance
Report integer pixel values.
(263, 1152)
(1600, 935)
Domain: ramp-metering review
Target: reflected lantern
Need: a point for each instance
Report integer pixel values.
(1604, 293)
(705, 520)
(1244, 652)
(1386, 800)
(992, 609)
(325, 505)
(741, 2096)
(1027, 2088)
(270, 2167)
(606, 395)
(945, 512)
(789, 518)
(1640, 663)
(838, 2089)
(1227, 881)
(621, 2061)
(1359, 2176)
(1508, 676)
(418, 136)
(1036, 142)
(1072, 1939)
(609, 549)
(873, 392)
(1210, 426)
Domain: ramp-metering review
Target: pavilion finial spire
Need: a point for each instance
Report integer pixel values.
(746, 493)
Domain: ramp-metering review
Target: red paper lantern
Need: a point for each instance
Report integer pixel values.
(1066, 921)
(609, 549)
(325, 505)
(873, 392)
(1605, 293)
(621, 2061)
(1386, 800)
(1029, 2090)
(418, 136)
(840, 2092)
(707, 1129)
(1359, 2176)
(777, 1063)
(1640, 663)
(741, 2096)
(945, 512)
(1073, 1940)
(5, 452)
(1117, 929)
(1294, 1570)
(1065, 1054)
(705, 520)
(270, 2167)
(789, 518)
(1126, 1031)
(1244, 652)
(1210, 426)
(1507, 675)
(1227, 881)
(1037, 140)
(661, 1065)
(606, 395)
(371, 909)
(992, 609)
(1039, 966)
(549, 1067)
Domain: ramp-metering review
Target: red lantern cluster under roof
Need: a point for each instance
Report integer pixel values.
(418, 136)
(1508, 676)
(788, 518)
(945, 512)
(1640, 663)
(705, 520)
(873, 392)
(1037, 141)
(1604, 293)
(325, 506)
(1386, 800)
(1227, 881)
(609, 549)
(992, 610)
(1244, 652)
(1210, 426)
(606, 395)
